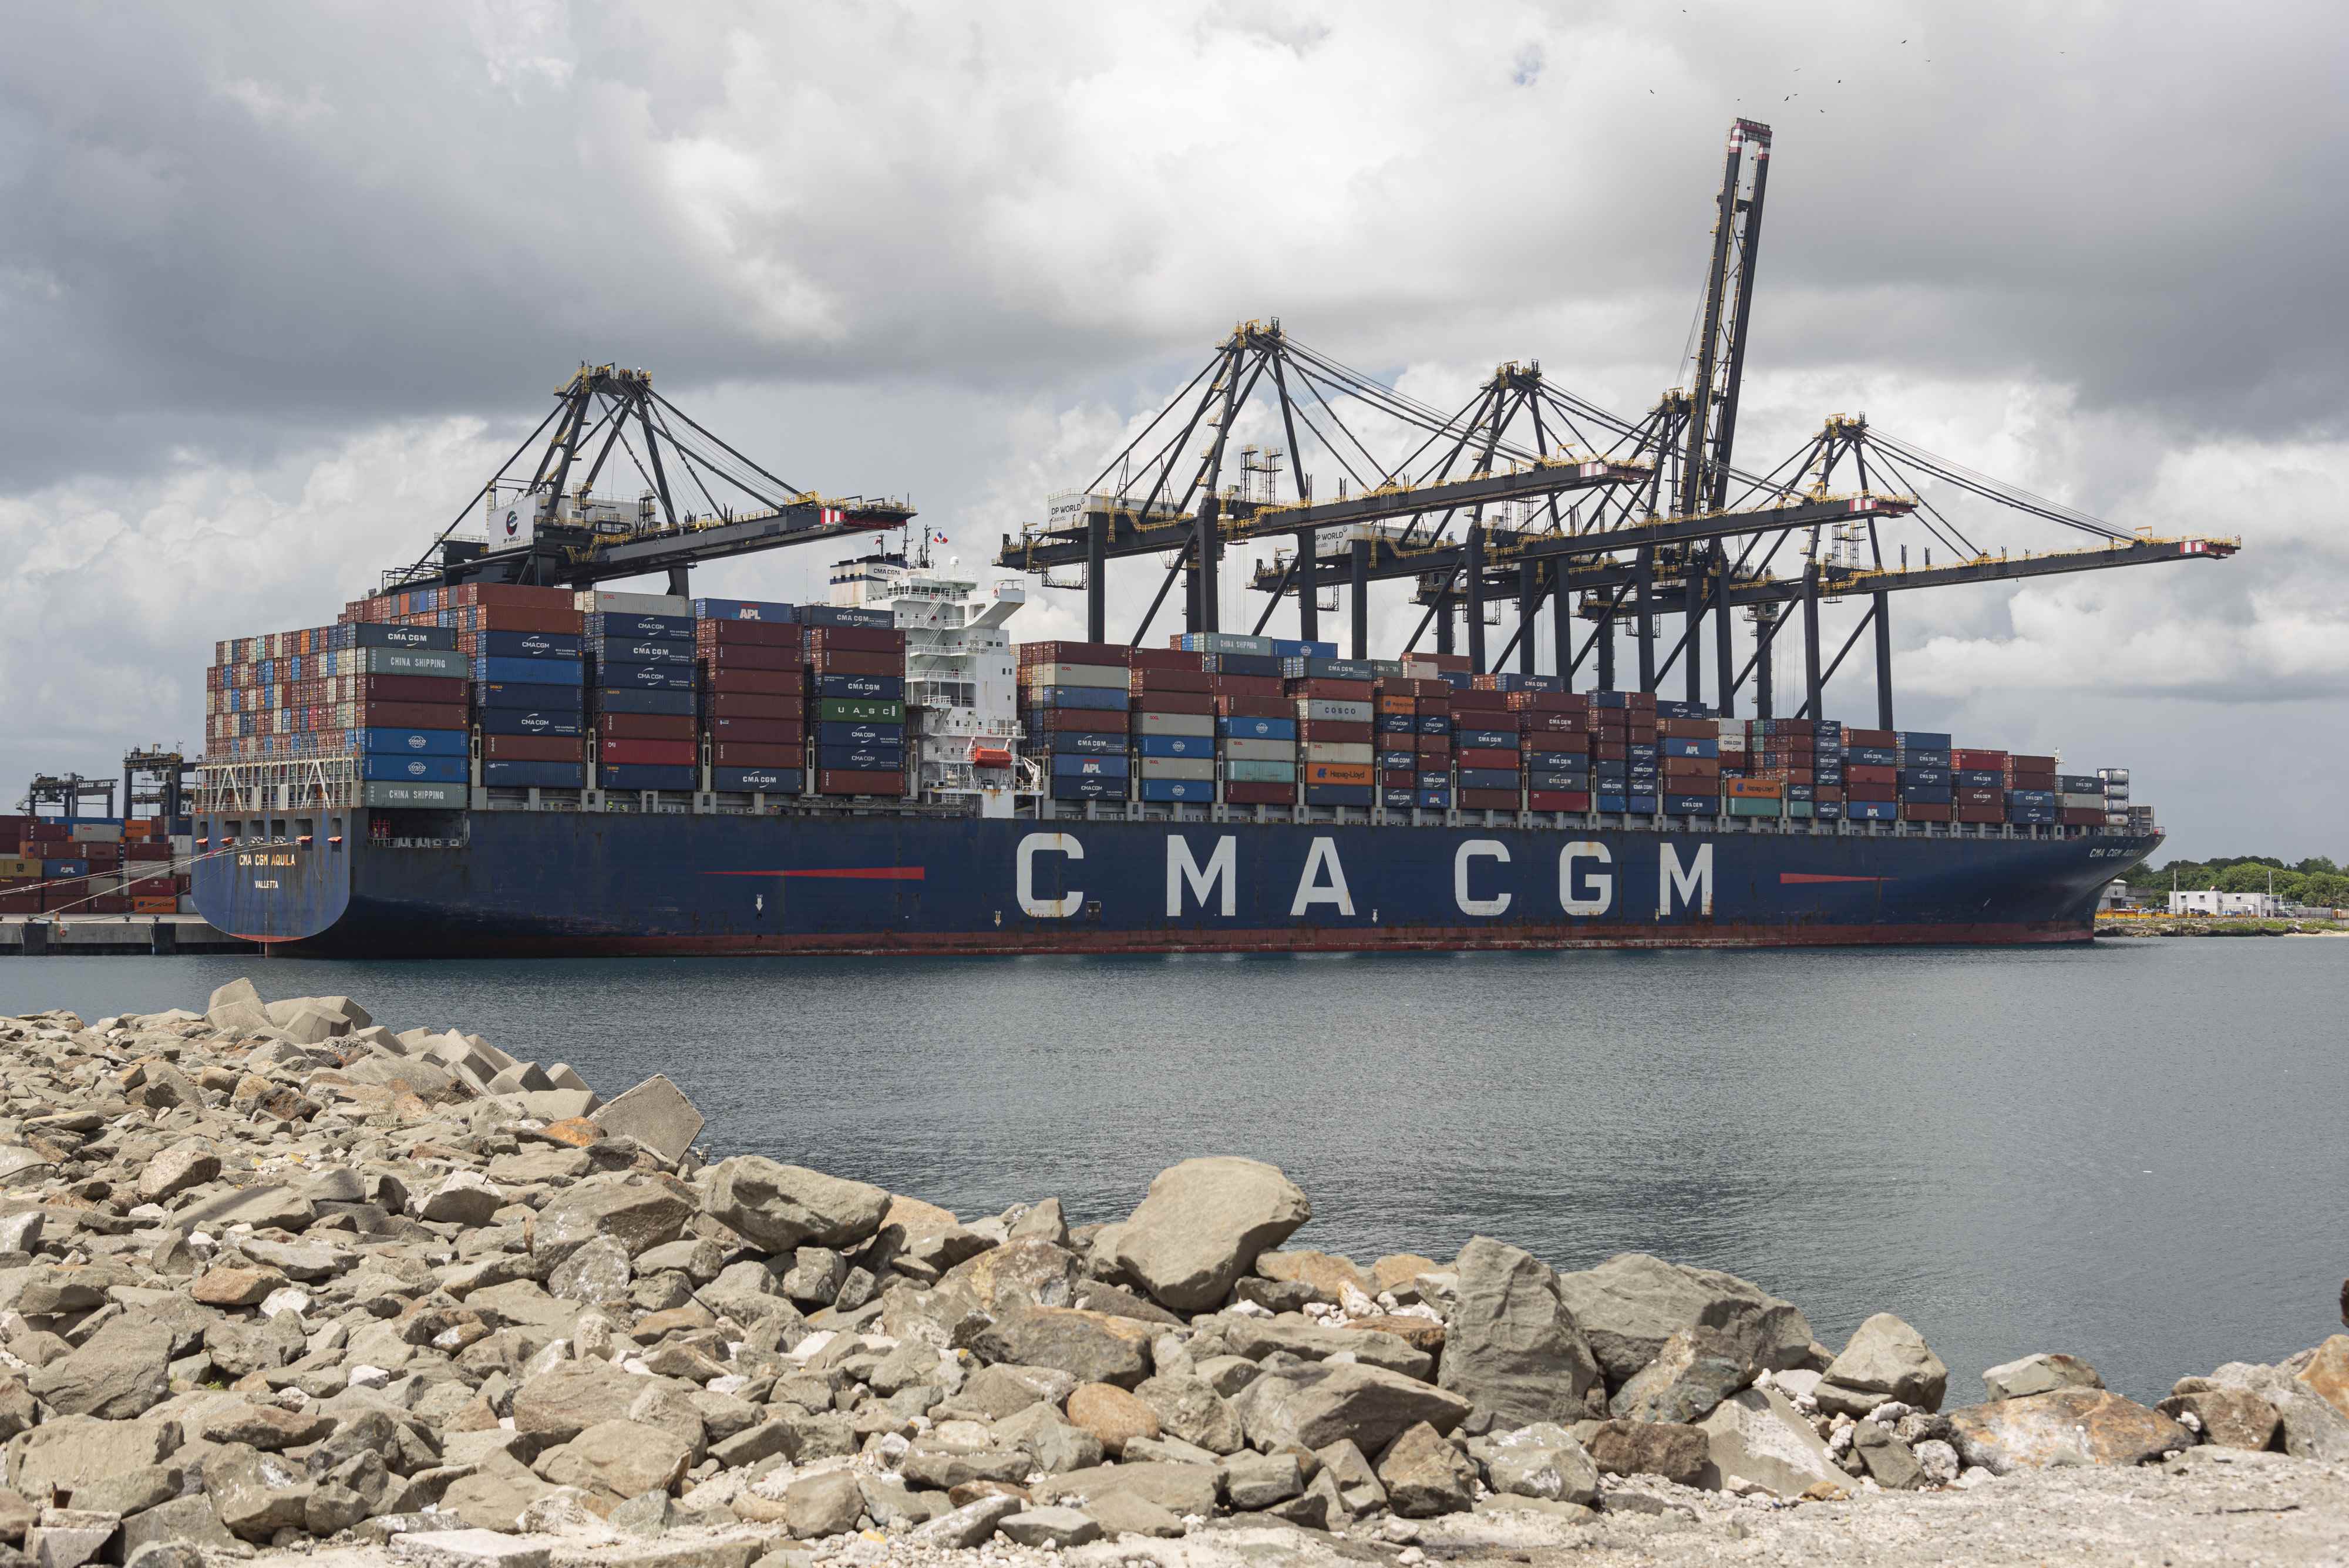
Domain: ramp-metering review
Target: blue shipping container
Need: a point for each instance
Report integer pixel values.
(1871, 757)
(1435, 723)
(1398, 760)
(1639, 752)
(413, 770)
(1611, 801)
(629, 700)
(641, 650)
(533, 775)
(1434, 799)
(1398, 724)
(647, 775)
(527, 694)
(1555, 779)
(532, 721)
(527, 645)
(1338, 795)
(1068, 764)
(1641, 804)
(1920, 740)
(417, 742)
(868, 758)
(1980, 778)
(771, 781)
(1828, 810)
(613, 676)
(841, 732)
(1871, 811)
(1175, 746)
(1399, 799)
(1684, 746)
(1434, 779)
(1066, 787)
(1255, 729)
(1491, 739)
(1936, 777)
(660, 627)
(891, 689)
(1178, 789)
(846, 615)
(1691, 805)
(1924, 759)
(1487, 778)
(1089, 744)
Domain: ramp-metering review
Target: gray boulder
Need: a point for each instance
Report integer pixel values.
(1543, 1462)
(572, 1395)
(2039, 1374)
(1318, 1405)
(1425, 1476)
(1757, 1440)
(636, 1216)
(121, 1371)
(656, 1114)
(1629, 1306)
(1695, 1371)
(781, 1208)
(1885, 1360)
(236, 1009)
(69, 1452)
(1510, 1346)
(1201, 1226)
(1890, 1462)
(1091, 1346)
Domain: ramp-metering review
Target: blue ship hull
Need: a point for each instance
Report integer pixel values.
(569, 883)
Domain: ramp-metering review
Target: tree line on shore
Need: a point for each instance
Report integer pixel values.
(2314, 880)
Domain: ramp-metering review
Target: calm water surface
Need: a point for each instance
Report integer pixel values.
(2132, 1152)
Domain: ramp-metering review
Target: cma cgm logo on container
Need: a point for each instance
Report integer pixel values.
(1586, 883)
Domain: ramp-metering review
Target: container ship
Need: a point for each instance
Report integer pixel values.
(503, 770)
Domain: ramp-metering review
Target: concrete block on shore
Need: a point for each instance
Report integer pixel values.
(656, 1114)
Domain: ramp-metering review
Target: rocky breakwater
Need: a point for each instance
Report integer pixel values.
(272, 1275)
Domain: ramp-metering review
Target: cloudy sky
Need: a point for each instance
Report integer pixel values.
(280, 286)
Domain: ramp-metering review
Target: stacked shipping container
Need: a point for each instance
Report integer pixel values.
(856, 689)
(1074, 697)
(752, 679)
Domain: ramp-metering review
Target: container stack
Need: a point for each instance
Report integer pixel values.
(530, 713)
(1688, 764)
(1172, 725)
(1255, 729)
(1334, 701)
(1979, 779)
(856, 691)
(1074, 703)
(2031, 799)
(1928, 790)
(1623, 779)
(750, 682)
(1488, 768)
(2117, 797)
(1871, 774)
(389, 698)
(2080, 800)
(1555, 730)
(640, 691)
(1414, 769)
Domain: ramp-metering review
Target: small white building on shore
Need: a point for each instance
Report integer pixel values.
(2208, 901)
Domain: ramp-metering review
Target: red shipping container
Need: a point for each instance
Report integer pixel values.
(758, 731)
(13, 827)
(1074, 653)
(1398, 778)
(2045, 782)
(1485, 799)
(1918, 810)
(772, 682)
(1147, 680)
(856, 662)
(751, 705)
(2081, 816)
(1475, 701)
(1437, 746)
(1973, 758)
(729, 656)
(1334, 691)
(533, 748)
(1249, 793)
(1706, 769)
(1856, 789)
(739, 634)
(855, 639)
(1549, 702)
(102, 852)
(407, 716)
(1689, 729)
(1557, 800)
(858, 781)
(109, 904)
(1868, 773)
(1197, 704)
(1826, 792)
(1976, 795)
(65, 893)
(1157, 658)
(1640, 733)
(1558, 745)
(183, 884)
(517, 596)
(748, 754)
(437, 689)
(1981, 814)
(1538, 723)
(1486, 757)
(1085, 720)
(2019, 763)
(660, 754)
(643, 726)
(143, 850)
(1337, 731)
(785, 733)
(1237, 707)
(1408, 685)
(560, 622)
(1611, 749)
(20, 903)
(1867, 738)
(1247, 686)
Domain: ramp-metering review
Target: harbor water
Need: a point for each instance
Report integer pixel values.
(2129, 1151)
